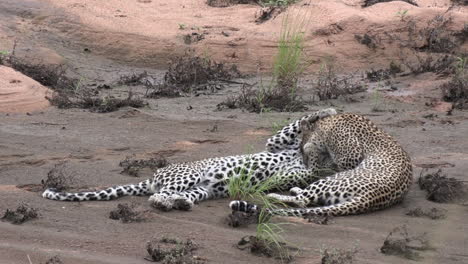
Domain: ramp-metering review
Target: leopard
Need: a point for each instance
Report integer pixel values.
(182, 185)
(372, 170)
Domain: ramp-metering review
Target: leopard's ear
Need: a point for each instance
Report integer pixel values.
(305, 125)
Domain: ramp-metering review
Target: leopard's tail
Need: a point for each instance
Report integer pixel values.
(351, 207)
(142, 188)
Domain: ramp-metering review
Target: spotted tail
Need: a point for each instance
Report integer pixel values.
(351, 207)
(142, 188)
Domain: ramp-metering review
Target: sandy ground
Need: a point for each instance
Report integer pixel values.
(126, 37)
(19, 93)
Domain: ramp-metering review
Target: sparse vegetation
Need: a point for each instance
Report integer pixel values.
(456, 90)
(288, 64)
(68, 92)
(431, 47)
(402, 14)
(23, 213)
(383, 74)
(52, 76)
(460, 2)
(437, 38)
(226, 3)
(3, 56)
(368, 3)
(191, 73)
(134, 79)
(434, 37)
(439, 64)
(89, 99)
(132, 166)
(277, 2)
(338, 256)
(264, 99)
(399, 243)
(377, 101)
(378, 75)
(245, 187)
(168, 250)
(54, 260)
(268, 240)
(281, 93)
(59, 178)
(330, 86)
(440, 188)
(433, 213)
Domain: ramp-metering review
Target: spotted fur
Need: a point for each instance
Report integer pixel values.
(373, 170)
(179, 186)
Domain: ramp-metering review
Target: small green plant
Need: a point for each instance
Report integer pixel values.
(278, 2)
(331, 86)
(281, 93)
(269, 236)
(288, 63)
(456, 90)
(182, 26)
(3, 56)
(268, 239)
(461, 63)
(244, 187)
(377, 101)
(402, 14)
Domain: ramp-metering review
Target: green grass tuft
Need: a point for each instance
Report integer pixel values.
(288, 63)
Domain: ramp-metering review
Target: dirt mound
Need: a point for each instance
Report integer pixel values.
(127, 213)
(19, 93)
(433, 213)
(400, 243)
(442, 189)
(133, 166)
(22, 214)
(169, 250)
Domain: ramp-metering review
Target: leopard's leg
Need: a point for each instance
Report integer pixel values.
(355, 205)
(289, 136)
(185, 200)
(322, 192)
(207, 190)
(174, 182)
